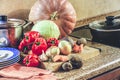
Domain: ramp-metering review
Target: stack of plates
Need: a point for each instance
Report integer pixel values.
(8, 56)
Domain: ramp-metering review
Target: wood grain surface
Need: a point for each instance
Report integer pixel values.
(87, 53)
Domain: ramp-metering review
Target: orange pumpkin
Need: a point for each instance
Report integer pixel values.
(59, 11)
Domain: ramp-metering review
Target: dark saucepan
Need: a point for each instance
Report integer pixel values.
(106, 31)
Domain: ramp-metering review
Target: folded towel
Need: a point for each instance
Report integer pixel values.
(2, 78)
(20, 72)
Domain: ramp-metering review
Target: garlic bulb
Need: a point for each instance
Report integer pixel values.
(43, 57)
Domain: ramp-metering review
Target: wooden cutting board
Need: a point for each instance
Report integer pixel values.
(87, 53)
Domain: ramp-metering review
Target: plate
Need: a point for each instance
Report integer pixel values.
(10, 63)
(7, 54)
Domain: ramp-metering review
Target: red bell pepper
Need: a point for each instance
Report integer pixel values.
(31, 36)
(24, 46)
(52, 42)
(31, 60)
(26, 43)
(39, 45)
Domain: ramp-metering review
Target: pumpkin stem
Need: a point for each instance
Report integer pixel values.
(54, 16)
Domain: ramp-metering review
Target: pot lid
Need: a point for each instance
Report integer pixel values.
(16, 22)
(111, 23)
(12, 22)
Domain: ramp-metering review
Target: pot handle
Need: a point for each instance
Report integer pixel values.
(117, 17)
(25, 26)
(28, 23)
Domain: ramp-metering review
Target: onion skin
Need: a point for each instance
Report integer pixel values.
(65, 47)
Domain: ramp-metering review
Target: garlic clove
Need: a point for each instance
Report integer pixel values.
(43, 57)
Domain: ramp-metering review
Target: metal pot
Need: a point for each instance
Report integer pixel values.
(106, 31)
(11, 33)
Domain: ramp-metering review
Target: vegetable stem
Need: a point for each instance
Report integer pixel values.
(54, 15)
(37, 43)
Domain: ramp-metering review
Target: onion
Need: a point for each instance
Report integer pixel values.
(65, 47)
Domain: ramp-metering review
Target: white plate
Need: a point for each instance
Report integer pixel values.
(7, 62)
(10, 63)
(7, 54)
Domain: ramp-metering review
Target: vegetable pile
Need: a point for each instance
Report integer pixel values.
(38, 49)
(48, 41)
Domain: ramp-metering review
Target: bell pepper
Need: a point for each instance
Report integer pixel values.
(31, 60)
(24, 46)
(52, 42)
(39, 45)
(26, 43)
(31, 36)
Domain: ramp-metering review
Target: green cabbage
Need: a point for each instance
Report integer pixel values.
(48, 29)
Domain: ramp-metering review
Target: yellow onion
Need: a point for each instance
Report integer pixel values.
(65, 47)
